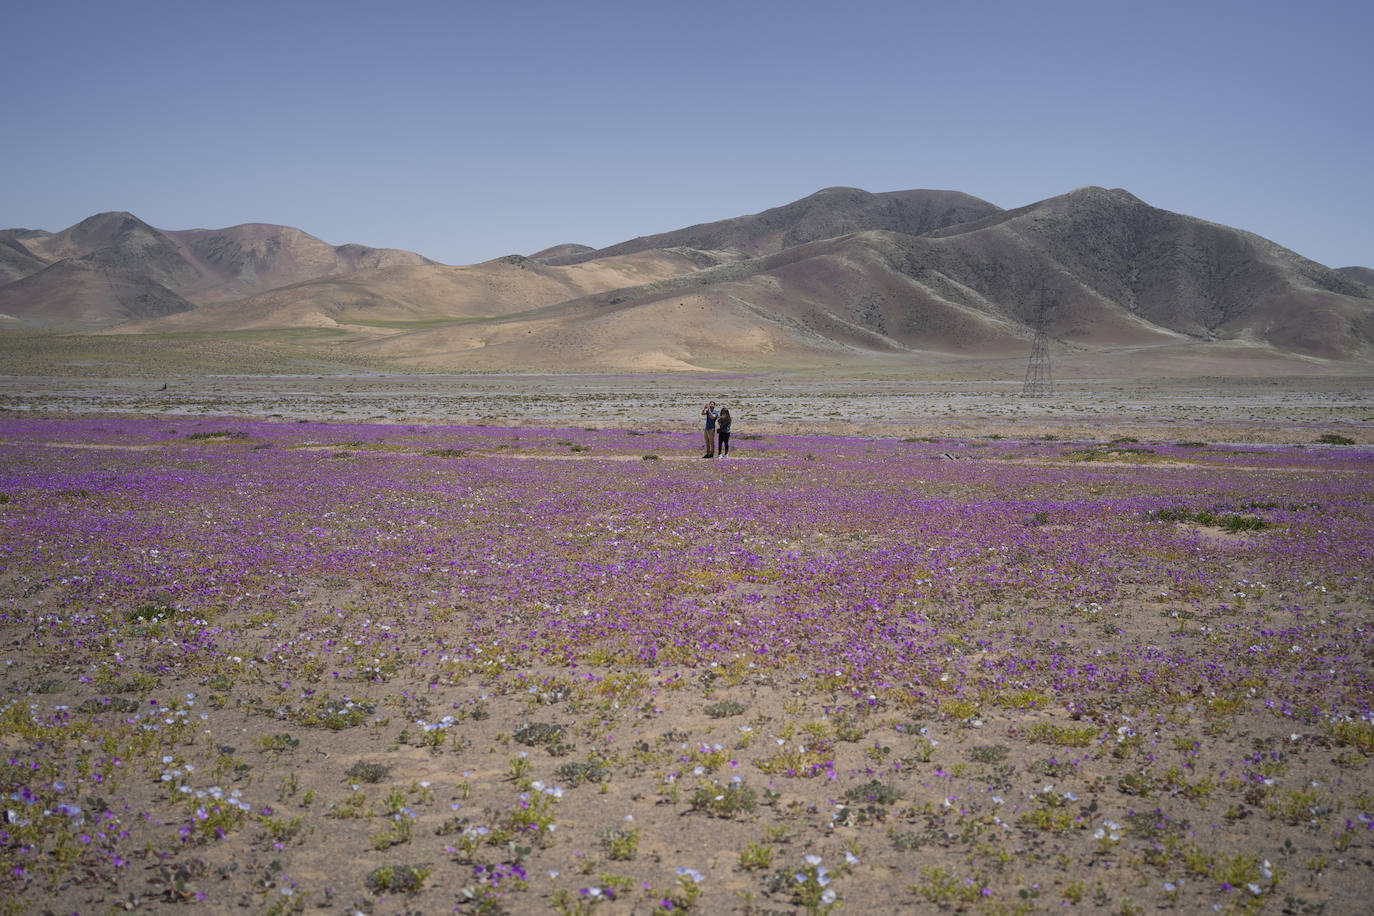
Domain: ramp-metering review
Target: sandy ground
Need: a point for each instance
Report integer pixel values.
(1277, 410)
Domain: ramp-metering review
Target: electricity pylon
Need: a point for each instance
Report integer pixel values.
(1039, 380)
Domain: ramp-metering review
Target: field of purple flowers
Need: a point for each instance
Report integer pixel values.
(389, 668)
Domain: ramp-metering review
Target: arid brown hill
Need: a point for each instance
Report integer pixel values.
(1363, 275)
(113, 266)
(16, 261)
(86, 293)
(1105, 254)
(824, 215)
(568, 250)
(1107, 269)
(835, 279)
(395, 301)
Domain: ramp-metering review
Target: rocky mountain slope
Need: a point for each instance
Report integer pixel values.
(1363, 275)
(16, 261)
(823, 215)
(836, 278)
(1100, 268)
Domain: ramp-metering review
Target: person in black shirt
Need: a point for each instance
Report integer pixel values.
(723, 432)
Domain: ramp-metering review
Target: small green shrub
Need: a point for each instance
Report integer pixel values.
(724, 801)
(400, 831)
(873, 791)
(1208, 519)
(119, 705)
(906, 842)
(849, 729)
(278, 743)
(1235, 523)
(576, 773)
(756, 856)
(1052, 819)
(219, 434)
(1356, 733)
(1062, 735)
(149, 613)
(960, 708)
(989, 753)
(621, 843)
(946, 889)
(335, 715)
(1022, 699)
(1108, 452)
(362, 771)
(403, 879)
(533, 734)
(282, 830)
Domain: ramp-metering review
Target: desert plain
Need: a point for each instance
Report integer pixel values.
(504, 643)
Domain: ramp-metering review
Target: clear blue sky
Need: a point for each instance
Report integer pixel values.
(465, 131)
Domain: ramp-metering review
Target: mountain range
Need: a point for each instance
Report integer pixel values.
(114, 266)
(843, 276)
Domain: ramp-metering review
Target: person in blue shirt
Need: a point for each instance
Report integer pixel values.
(709, 412)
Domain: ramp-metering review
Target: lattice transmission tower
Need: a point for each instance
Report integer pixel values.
(1039, 379)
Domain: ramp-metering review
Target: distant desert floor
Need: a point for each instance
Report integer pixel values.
(1290, 409)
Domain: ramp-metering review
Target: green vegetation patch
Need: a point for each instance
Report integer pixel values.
(1111, 453)
(365, 771)
(1229, 522)
(724, 709)
(326, 712)
(397, 879)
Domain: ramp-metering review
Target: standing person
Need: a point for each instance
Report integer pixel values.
(709, 412)
(723, 433)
